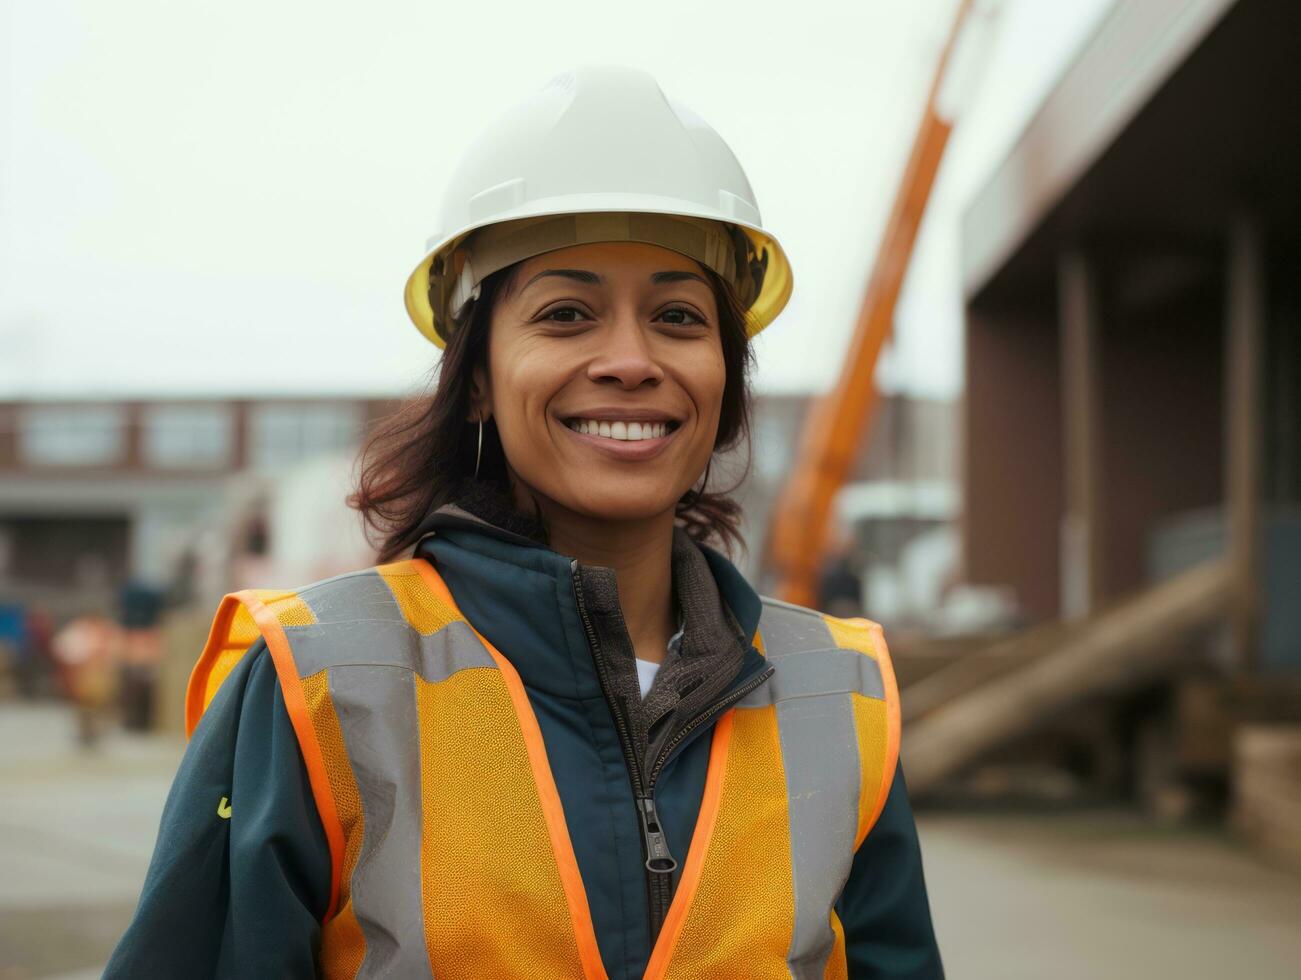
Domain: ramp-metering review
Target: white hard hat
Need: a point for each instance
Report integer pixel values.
(598, 154)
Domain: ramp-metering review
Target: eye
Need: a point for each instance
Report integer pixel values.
(564, 314)
(680, 316)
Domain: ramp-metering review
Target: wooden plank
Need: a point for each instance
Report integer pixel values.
(1122, 646)
(969, 670)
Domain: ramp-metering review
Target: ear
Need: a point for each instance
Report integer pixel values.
(480, 394)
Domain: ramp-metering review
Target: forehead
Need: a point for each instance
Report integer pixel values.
(611, 260)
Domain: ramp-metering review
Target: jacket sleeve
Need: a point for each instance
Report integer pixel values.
(240, 874)
(884, 908)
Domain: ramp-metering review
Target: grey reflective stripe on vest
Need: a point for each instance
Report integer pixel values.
(814, 673)
(376, 707)
(371, 656)
(812, 689)
(435, 657)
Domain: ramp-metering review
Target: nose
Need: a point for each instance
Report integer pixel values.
(625, 356)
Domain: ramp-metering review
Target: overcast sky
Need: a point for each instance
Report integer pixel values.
(202, 198)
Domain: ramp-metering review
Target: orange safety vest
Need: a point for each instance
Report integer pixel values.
(449, 851)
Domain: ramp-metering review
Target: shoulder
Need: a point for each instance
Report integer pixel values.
(409, 591)
(817, 654)
(321, 624)
(789, 628)
(233, 684)
(248, 631)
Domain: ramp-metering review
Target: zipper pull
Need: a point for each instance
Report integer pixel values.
(658, 858)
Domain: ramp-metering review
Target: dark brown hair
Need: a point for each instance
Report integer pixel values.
(421, 457)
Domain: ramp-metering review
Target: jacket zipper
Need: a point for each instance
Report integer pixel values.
(660, 863)
(721, 704)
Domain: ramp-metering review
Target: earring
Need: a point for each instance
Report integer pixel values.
(478, 455)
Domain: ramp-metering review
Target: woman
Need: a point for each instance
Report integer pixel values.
(555, 734)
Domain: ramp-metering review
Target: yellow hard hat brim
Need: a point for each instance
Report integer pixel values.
(778, 284)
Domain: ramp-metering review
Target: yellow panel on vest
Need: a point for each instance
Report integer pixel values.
(838, 962)
(744, 908)
(872, 728)
(853, 634)
(491, 886)
(229, 651)
(289, 609)
(222, 664)
(243, 631)
(226, 650)
(423, 610)
(343, 947)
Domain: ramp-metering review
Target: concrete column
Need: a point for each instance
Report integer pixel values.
(1081, 529)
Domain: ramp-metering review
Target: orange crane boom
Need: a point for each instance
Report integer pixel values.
(832, 432)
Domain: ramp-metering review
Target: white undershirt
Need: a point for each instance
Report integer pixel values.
(646, 670)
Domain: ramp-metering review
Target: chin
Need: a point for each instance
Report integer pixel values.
(622, 504)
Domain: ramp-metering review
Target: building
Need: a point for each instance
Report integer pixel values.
(1132, 418)
(1132, 341)
(95, 493)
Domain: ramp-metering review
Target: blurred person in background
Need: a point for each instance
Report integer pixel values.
(142, 649)
(183, 586)
(556, 733)
(15, 658)
(840, 588)
(87, 651)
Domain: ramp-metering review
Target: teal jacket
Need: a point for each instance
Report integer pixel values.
(243, 895)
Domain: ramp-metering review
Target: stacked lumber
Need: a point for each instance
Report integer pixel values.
(972, 710)
(1267, 789)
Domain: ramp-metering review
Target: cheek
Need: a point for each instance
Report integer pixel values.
(514, 374)
(705, 381)
(523, 385)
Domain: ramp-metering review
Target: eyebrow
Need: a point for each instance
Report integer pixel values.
(675, 276)
(591, 278)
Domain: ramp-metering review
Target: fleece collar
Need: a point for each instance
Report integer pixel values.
(514, 588)
(491, 514)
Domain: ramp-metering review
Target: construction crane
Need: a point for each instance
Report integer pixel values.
(833, 428)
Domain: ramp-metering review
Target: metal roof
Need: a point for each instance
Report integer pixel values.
(1133, 55)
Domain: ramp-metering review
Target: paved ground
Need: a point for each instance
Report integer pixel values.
(1066, 897)
(1105, 895)
(76, 832)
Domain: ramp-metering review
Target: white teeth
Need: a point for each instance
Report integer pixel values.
(622, 431)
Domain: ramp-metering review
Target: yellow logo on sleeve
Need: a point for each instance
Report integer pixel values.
(223, 809)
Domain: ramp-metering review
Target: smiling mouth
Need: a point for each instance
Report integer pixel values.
(622, 431)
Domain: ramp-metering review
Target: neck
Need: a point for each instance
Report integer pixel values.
(641, 554)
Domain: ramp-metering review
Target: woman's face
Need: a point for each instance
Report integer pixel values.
(605, 376)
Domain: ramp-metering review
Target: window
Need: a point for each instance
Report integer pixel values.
(72, 435)
(187, 436)
(288, 433)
